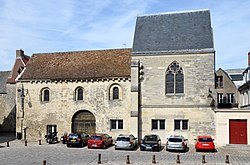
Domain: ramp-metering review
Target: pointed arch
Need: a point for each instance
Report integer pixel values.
(174, 79)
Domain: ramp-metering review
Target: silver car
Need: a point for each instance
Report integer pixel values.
(176, 142)
(126, 142)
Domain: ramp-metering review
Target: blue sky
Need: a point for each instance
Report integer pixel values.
(38, 26)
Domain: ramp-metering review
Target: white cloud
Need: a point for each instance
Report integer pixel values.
(63, 25)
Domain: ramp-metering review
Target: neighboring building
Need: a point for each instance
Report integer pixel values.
(227, 91)
(163, 85)
(8, 81)
(232, 122)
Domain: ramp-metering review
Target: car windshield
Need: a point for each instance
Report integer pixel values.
(205, 139)
(96, 138)
(150, 138)
(175, 140)
(123, 139)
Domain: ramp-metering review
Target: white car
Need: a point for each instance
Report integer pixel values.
(176, 142)
(126, 142)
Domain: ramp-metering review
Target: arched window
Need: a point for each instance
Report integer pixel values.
(115, 92)
(45, 95)
(79, 94)
(174, 79)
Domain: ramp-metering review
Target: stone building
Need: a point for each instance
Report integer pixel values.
(163, 85)
(8, 81)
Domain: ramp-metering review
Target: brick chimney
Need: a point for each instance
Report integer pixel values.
(19, 53)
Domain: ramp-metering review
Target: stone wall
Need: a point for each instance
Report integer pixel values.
(62, 107)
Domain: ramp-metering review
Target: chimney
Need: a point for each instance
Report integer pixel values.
(19, 53)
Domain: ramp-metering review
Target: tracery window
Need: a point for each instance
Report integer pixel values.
(174, 79)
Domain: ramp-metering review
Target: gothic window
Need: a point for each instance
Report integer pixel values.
(45, 95)
(79, 94)
(115, 92)
(174, 79)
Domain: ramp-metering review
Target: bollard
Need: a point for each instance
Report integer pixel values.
(178, 159)
(25, 142)
(44, 162)
(8, 144)
(227, 159)
(127, 161)
(153, 160)
(39, 142)
(99, 159)
(203, 159)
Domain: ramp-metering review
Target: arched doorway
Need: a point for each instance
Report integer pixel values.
(83, 121)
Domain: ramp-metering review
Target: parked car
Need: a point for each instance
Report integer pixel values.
(176, 142)
(76, 139)
(126, 142)
(100, 141)
(151, 142)
(204, 143)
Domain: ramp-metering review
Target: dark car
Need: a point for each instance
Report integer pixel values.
(151, 142)
(76, 139)
(100, 141)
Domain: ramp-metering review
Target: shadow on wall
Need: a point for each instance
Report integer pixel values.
(9, 122)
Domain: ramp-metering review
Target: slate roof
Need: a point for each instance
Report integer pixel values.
(78, 65)
(3, 80)
(173, 31)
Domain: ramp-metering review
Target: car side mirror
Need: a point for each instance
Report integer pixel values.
(195, 139)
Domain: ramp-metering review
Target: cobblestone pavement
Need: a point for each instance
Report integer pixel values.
(58, 154)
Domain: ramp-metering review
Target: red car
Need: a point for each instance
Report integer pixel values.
(204, 143)
(99, 141)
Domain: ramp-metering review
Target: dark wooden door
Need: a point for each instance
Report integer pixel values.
(238, 131)
(83, 121)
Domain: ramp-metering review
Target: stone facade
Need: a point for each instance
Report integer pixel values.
(62, 107)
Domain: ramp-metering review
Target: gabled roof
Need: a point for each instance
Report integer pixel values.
(78, 65)
(189, 30)
(3, 79)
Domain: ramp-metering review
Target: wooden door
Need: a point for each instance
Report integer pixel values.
(238, 131)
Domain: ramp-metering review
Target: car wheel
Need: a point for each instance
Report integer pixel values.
(68, 145)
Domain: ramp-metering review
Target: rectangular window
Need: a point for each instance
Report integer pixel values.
(220, 97)
(158, 124)
(116, 124)
(180, 124)
(230, 98)
(219, 81)
(51, 129)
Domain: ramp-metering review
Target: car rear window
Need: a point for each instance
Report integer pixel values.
(73, 136)
(123, 139)
(150, 138)
(175, 140)
(96, 137)
(205, 139)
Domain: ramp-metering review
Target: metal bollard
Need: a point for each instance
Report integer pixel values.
(25, 142)
(153, 160)
(203, 159)
(44, 162)
(8, 144)
(178, 159)
(99, 159)
(39, 142)
(227, 159)
(127, 161)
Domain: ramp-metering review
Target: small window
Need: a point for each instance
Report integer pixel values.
(220, 97)
(158, 124)
(116, 124)
(219, 81)
(115, 92)
(230, 98)
(180, 124)
(79, 94)
(45, 95)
